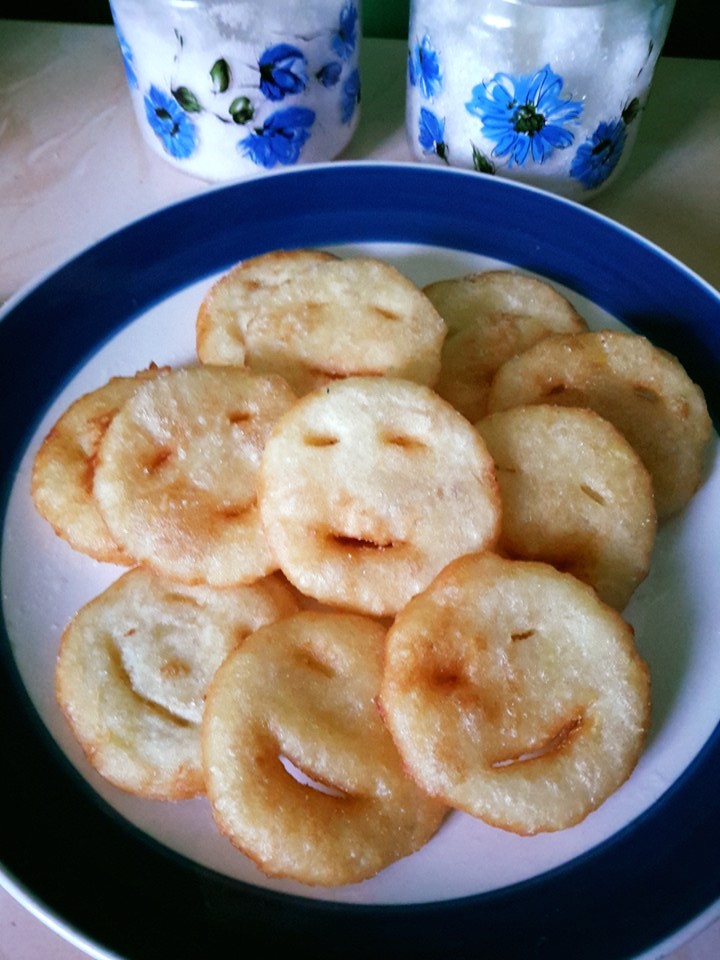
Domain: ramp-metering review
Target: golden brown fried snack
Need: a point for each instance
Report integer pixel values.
(513, 693)
(301, 773)
(491, 316)
(312, 317)
(574, 494)
(369, 486)
(64, 468)
(176, 473)
(134, 666)
(642, 390)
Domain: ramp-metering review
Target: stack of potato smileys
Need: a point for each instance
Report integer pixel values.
(379, 540)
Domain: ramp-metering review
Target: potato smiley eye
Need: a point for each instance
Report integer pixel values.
(306, 659)
(646, 393)
(385, 313)
(320, 440)
(404, 441)
(555, 390)
(592, 493)
(232, 512)
(157, 460)
(237, 417)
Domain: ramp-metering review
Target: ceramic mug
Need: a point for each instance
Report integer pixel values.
(549, 92)
(228, 88)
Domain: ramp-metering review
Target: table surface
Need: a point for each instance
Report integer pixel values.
(73, 167)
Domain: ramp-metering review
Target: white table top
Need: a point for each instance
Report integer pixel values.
(73, 167)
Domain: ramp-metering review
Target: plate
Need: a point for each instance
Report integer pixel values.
(137, 879)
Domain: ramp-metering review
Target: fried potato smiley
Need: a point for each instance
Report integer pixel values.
(369, 486)
(491, 316)
(133, 668)
(574, 494)
(513, 693)
(176, 473)
(301, 773)
(64, 468)
(641, 389)
(313, 317)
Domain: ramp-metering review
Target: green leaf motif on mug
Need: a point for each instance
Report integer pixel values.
(187, 100)
(241, 110)
(481, 162)
(220, 75)
(631, 110)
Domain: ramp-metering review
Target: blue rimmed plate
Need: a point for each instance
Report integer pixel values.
(140, 879)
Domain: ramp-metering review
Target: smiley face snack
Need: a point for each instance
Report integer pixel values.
(514, 694)
(64, 467)
(491, 316)
(313, 317)
(176, 473)
(301, 773)
(134, 666)
(369, 486)
(575, 494)
(641, 389)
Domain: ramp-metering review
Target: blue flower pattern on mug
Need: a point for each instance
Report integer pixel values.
(432, 133)
(425, 74)
(329, 75)
(128, 59)
(350, 97)
(280, 139)
(283, 72)
(171, 124)
(596, 159)
(344, 38)
(525, 115)
(424, 68)
(343, 42)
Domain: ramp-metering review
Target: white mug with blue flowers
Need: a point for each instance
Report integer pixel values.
(549, 92)
(224, 89)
